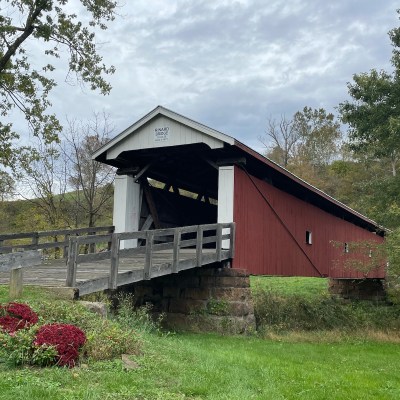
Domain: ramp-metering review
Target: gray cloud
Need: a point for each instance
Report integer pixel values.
(233, 64)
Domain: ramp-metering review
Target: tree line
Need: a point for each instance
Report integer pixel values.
(55, 173)
(61, 185)
(358, 167)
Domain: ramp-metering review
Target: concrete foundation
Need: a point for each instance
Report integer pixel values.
(213, 298)
(358, 289)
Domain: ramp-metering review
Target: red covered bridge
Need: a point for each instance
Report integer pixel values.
(173, 171)
(187, 196)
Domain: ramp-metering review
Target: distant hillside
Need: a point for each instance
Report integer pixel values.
(25, 216)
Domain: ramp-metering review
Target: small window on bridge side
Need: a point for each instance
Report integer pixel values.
(308, 237)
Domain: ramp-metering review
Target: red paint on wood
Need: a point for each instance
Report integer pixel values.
(264, 247)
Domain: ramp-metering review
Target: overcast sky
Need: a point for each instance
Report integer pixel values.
(231, 65)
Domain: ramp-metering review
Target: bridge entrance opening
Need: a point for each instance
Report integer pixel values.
(166, 187)
(164, 205)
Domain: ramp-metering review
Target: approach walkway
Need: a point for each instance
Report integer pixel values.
(150, 254)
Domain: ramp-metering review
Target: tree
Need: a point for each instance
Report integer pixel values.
(311, 138)
(393, 270)
(306, 145)
(42, 176)
(320, 136)
(27, 88)
(374, 117)
(92, 182)
(284, 138)
(374, 113)
(7, 186)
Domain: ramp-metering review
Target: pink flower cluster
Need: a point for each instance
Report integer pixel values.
(16, 316)
(67, 340)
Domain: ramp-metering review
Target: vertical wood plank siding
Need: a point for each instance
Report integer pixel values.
(263, 246)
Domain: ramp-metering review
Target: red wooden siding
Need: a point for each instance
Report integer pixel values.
(264, 247)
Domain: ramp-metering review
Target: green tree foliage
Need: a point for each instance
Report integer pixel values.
(373, 116)
(393, 270)
(374, 112)
(311, 137)
(7, 186)
(320, 136)
(306, 145)
(26, 87)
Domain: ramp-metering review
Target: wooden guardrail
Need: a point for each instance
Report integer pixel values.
(40, 240)
(198, 237)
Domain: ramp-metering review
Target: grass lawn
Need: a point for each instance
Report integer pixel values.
(291, 285)
(310, 365)
(219, 367)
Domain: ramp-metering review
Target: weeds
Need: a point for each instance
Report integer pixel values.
(276, 313)
(140, 319)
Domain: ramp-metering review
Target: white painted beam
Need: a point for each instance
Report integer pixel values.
(226, 186)
(127, 201)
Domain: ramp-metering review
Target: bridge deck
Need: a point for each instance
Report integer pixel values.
(94, 276)
(161, 252)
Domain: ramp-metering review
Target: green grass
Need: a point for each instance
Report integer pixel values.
(335, 364)
(216, 367)
(293, 285)
(29, 293)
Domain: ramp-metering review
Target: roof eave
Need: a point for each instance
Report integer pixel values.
(169, 114)
(307, 185)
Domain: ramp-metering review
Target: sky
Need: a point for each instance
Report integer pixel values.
(232, 65)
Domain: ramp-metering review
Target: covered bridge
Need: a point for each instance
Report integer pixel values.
(173, 171)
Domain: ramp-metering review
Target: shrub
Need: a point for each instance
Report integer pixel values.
(66, 339)
(17, 349)
(109, 340)
(17, 316)
(106, 339)
(275, 312)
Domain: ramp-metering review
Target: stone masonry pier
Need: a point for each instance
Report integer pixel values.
(213, 298)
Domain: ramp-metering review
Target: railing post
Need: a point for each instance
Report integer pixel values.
(109, 243)
(177, 246)
(35, 239)
(92, 246)
(16, 283)
(199, 246)
(232, 239)
(149, 255)
(113, 284)
(65, 250)
(219, 242)
(56, 249)
(73, 252)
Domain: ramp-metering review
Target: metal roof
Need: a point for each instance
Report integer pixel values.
(259, 163)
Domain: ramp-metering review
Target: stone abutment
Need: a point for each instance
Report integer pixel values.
(214, 298)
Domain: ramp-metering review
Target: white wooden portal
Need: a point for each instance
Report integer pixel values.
(158, 129)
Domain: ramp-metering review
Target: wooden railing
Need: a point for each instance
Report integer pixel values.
(197, 237)
(44, 240)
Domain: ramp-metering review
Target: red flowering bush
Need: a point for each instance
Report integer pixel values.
(66, 339)
(16, 316)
